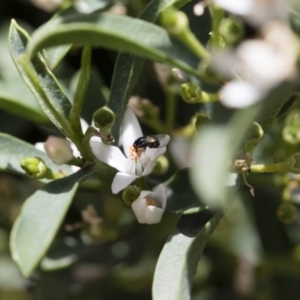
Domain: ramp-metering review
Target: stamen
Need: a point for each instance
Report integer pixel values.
(150, 201)
(135, 154)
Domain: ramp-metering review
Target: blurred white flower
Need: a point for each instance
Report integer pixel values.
(132, 164)
(259, 65)
(256, 12)
(150, 206)
(47, 5)
(180, 148)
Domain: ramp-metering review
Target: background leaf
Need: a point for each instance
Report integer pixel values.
(40, 80)
(117, 32)
(179, 258)
(39, 221)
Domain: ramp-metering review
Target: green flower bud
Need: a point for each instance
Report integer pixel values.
(104, 118)
(287, 213)
(291, 131)
(293, 163)
(191, 93)
(232, 30)
(161, 166)
(175, 22)
(34, 167)
(130, 194)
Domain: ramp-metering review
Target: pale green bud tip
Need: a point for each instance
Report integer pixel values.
(231, 29)
(104, 118)
(174, 21)
(34, 167)
(294, 163)
(191, 93)
(130, 194)
(287, 213)
(161, 166)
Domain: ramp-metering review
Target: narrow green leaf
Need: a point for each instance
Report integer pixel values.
(13, 150)
(40, 80)
(121, 33)
(15, 104)
(40, 219)
(128, 67)
(179, 258)
(55, 55)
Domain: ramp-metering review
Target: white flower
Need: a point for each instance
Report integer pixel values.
(134, 163)
(259, 65)
(150, 206)
(256, 12)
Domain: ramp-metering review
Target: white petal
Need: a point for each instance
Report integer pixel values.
(180, 147)
(121, 181)
(84, 125)
(40, 146)
(131, 130)
(239, 94)
(110, 155)
(239, 7)
(152, 155)
(161, 195)
(146, 214)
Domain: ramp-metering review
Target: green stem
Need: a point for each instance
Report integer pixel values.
(216, 17)
(190, 40)
(170, 109)
(81, 89)
(281, 167)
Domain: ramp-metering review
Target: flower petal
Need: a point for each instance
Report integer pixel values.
(121, 181)
(40, 146)
(146, 214)
(152, 154)
(110, 155)
(240, 94)
(161, 195)
(131, 130)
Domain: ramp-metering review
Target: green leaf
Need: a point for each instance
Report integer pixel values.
(128, 68)
(179, 258)
(120, 33)
(13, 150)
(214, 148)
(55, 55)
(40, 80)
(16, 101)
(40, 219)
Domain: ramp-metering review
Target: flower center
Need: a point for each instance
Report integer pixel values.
(150, 201)
(135, 154)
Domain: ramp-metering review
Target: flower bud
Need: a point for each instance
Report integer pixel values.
(104, 118)
(291, 132)
(293, 163)
(191, 93)
(130, 194)
(58, 149)
(161, 166)
(175, 22)
(231, 29)
(34, 167)
(287, 213)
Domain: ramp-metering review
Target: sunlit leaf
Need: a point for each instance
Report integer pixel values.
(179, 258)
